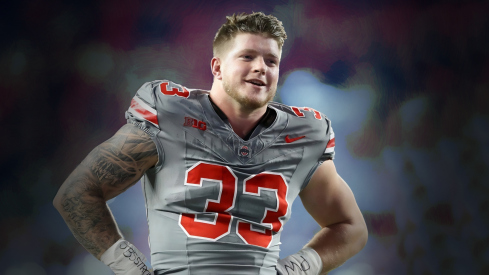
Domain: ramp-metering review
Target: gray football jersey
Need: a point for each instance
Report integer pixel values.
(216, 204)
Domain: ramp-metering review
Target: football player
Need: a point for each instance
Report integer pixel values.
(220, 170)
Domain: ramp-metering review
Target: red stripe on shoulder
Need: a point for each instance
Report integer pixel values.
(331, 143)
(148, 114)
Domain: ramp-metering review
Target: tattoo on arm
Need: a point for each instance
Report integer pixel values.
(107, 171)
(122, 158)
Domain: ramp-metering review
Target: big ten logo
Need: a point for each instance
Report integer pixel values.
(192, 122)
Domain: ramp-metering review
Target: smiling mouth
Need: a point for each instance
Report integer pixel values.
(256, 82)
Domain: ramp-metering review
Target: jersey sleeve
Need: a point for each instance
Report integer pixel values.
(329, 150)
(328, 153)
(142, 111)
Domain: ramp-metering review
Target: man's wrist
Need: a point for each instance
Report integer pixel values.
(124, 258)
(306, 261)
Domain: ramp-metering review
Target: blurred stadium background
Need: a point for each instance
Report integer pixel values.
(405, 83)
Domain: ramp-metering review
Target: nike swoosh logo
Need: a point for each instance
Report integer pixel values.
(289, 140)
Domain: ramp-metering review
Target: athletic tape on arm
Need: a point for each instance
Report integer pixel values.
(124, 258)
(305, 262)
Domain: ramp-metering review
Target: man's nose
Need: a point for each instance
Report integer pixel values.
(259, 65)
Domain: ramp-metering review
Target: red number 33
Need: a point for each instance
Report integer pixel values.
(252, 186)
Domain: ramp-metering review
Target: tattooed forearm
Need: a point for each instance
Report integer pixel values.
(107, 171)
(90, 221)
(81, 203)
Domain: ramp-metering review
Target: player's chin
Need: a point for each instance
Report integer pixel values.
(254, 99)
(251, 102)
(258, 101)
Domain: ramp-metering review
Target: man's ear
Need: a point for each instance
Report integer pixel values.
(216, 67)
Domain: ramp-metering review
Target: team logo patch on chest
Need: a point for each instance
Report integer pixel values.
(244, 151)
(192, 122)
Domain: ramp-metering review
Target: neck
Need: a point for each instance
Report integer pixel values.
(242, 120)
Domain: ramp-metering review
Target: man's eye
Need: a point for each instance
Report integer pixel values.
(247, 57)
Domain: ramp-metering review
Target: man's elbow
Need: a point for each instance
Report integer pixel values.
(57, 202)
(62, 197)
(362, 235)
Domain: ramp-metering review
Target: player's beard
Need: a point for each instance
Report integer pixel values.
(247, 102)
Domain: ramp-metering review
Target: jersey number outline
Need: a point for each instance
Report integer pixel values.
(221, 225)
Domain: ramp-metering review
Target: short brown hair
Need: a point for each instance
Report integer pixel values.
(257, 23)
